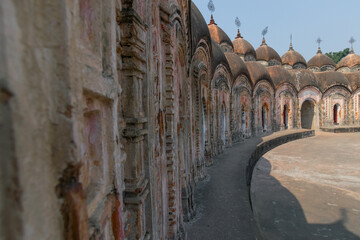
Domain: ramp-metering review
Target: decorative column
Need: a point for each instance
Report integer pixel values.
(252, 116)
(132, 77)
(173, 166)
(232, 118)
(209, 138)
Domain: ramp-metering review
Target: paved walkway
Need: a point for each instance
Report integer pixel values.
(223, 209)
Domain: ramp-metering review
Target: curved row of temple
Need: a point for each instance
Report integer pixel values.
(112, 110)
(238, 92)
(260, 91)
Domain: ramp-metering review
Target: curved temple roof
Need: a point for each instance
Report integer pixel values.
(351, 60)
(280, 75)
(292, 57)
(243, 47)
(266, 53)
(305, 78)
(219, 35)
(330, 79)
(320, 60)
(354, 80)
(199, 28)
(258, 72)
(237, 65)
(218, 57)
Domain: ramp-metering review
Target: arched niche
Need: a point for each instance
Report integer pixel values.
(314, 95)
(221, 93)
(286, 110)
(336, 106)
(240, 108)
(263, 107)
(308, 114)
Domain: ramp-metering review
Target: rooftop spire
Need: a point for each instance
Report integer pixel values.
(238, 24)
(263, 33)
(319, 42)
(291, 45)
(263, 42)
(351, 41)
(211, 7)
(212, 21)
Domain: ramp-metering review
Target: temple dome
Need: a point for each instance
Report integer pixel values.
(218, 56)
(258, 72)
(280, 75)
(330, 79)
(237, 65)
(219, 36)
(244, 49)
(305, 78)
(321, 62)
(354, 79)
(199, 28)
(350, 61)
(268, 54)
(293, 58)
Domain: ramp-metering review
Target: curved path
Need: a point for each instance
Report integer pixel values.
(309, 189)
(222, 200)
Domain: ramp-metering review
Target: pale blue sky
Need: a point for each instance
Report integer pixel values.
(334, 21)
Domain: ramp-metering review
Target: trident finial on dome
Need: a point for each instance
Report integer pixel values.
(319, 42)
(263, 33)
(238, 24)
(211, 7)
(291, 45)
(351, 41)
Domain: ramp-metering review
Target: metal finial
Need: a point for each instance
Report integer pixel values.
(319, 42)
(265, 31)
(211, 6)
(351, 41)
(291, 45)
(237, 22)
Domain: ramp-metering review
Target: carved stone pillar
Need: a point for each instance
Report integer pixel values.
(173, 165)
(133, 55)
(253, 116)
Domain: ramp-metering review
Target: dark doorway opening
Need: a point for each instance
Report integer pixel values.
(307, 114)
(336, 113)
(286, 116)
(264, 117)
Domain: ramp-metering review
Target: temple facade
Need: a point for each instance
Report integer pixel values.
(110, 112)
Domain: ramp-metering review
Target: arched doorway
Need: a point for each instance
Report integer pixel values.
(264, 117)
(336, 113)
(286, 116)
(307, 114)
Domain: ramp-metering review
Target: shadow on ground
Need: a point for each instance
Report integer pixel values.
(280, 216)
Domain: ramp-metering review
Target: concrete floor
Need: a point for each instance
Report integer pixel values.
(309, 189)
(222, 200)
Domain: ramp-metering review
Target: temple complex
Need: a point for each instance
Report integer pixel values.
(112, 111)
